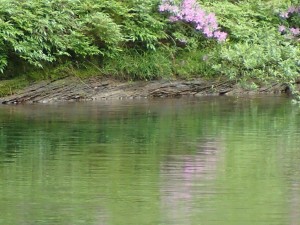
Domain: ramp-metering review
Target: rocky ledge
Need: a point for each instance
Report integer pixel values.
(76, 89)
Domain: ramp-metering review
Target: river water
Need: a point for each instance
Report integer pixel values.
(210, 161)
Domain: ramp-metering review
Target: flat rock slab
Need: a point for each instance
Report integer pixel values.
(76, 89)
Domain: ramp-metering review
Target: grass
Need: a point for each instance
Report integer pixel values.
(134, 65)
(158, 64)
(192, 64)
(129, 65)
(11, 86)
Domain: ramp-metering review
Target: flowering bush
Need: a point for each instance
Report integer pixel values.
(292, 18)
(252, 53)
(190, 11)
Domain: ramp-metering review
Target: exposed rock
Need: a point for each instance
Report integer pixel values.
(75, 89)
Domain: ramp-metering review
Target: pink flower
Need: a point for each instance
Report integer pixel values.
(208, 32)
(220, 36)
(174, 9)
(290, 10)
(173, 18)
(200, 14)
(162, 8)
(199, 27)
(281, 28)
(295, 31)
(293, 9)
(190, 11)
(284, 15)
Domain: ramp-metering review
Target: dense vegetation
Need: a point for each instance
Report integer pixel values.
(147, 39)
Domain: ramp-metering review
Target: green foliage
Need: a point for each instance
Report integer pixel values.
(97, 21)
(3, 63)
(132, 39)
(139, 65)
(268, 57)
(40, 31)
(243, 20)
(183, 36)
(45, 31)
(144, 27)
(256, 50)
(188, 64)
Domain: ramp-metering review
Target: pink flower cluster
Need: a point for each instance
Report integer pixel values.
(191, 12)
(293, 32)
(290, 11)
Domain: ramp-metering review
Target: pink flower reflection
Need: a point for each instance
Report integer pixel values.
(187, 179)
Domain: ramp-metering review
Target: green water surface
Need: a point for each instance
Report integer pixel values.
(210, 161)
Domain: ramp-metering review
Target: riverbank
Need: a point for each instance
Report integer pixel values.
(66, 58)
(99, 88)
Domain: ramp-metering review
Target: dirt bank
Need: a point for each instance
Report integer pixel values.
(75, 89)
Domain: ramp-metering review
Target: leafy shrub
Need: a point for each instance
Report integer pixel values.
(269, 57)
(243, 20)
(40, 31)
(256, 50)
(144, 27)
